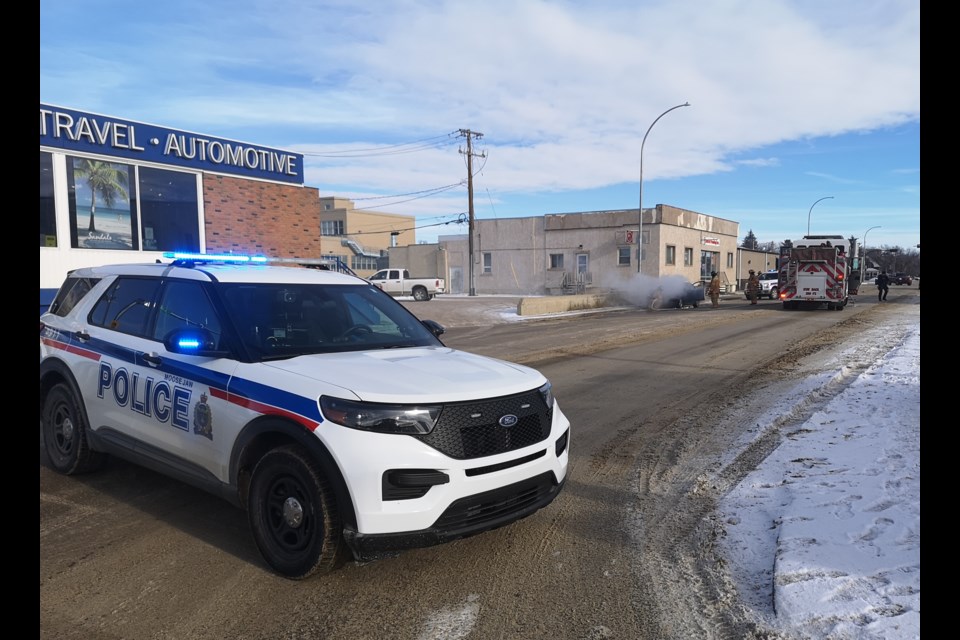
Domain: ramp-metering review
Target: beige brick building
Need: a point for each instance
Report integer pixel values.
(581, 252)
(360, 237)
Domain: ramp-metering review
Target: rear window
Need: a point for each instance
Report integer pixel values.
(126, 305)
(71, 292)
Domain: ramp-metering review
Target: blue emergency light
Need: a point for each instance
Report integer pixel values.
(189, 343)
(214, 257)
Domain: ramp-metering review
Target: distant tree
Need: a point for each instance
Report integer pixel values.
(769, 247)
(750, 241)
(894, 259)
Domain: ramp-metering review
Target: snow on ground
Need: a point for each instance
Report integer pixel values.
(830, 521)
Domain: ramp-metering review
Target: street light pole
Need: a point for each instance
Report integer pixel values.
(864, 259)
(811, 211)
(640, 213)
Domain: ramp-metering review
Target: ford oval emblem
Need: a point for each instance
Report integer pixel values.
(509, 420)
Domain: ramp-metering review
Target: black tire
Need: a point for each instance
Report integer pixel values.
(420, 294)
(64, 428)
(773, 293)
(293, 514)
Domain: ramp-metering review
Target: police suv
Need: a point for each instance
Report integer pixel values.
(312, 399)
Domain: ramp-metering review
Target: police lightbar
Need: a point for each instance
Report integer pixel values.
(213, 257)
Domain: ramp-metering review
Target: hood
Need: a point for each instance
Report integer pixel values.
(417, 375)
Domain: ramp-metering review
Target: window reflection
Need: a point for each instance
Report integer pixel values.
(48, 212)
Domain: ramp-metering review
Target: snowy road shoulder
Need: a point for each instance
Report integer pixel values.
(824, 536)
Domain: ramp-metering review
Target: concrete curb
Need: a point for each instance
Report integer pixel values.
(559, 304)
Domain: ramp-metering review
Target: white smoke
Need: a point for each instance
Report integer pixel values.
(640, 289)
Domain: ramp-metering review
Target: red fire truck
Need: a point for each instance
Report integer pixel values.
(818, 270)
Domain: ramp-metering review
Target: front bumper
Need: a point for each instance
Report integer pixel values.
(406, 494)
(465, 517)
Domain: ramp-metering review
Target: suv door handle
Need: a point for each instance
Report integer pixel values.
(83, 336)
(152, 359)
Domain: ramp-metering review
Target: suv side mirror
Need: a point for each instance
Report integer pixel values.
(433, 327)
(193, 342)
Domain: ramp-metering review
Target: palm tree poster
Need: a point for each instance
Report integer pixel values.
(102, 215)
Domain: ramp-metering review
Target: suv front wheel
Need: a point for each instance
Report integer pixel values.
(64, 430)
(293, 514)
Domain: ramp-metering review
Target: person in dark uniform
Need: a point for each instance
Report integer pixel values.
(883, 286)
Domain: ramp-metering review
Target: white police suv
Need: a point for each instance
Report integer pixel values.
(312, 399)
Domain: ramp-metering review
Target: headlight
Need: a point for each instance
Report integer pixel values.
(547, 392)
(381, 418)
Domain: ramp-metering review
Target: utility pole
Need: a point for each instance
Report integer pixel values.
(469, 135)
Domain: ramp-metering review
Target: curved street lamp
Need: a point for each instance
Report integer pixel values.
(640, 213)
(864, 259)
(811, 211)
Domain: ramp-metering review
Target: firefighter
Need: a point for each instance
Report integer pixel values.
(753, 287)
(713, 289)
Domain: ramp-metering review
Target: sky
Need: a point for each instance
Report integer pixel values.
(804, 115)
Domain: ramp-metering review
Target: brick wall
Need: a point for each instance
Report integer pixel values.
(253, 217)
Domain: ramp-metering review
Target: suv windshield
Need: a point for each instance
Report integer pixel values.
(287, 320)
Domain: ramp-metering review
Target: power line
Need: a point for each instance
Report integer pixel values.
(412, 193)
(460, 219)
(435, 142)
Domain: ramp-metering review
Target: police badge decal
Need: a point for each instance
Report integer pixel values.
(203, 418)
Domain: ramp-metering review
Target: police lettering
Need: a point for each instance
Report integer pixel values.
(151, 398)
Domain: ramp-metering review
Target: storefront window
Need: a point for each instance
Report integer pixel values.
(169, 210)
(48, 213)
(102, 204)
(119, 206)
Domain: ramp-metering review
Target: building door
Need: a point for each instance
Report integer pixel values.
(456, 280)
(583, 264)
(583, 271)
(709, 262)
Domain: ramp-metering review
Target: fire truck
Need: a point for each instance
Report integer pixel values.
(817, 271)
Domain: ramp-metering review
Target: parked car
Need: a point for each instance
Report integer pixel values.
(688, 294)
(901, 278)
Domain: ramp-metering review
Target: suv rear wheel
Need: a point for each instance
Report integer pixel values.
(293, 514)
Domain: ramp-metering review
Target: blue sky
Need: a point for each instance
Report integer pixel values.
(790, 101)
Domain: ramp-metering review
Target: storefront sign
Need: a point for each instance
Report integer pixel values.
(92, 133)
(713, 242)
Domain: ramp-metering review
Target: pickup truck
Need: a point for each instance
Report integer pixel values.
(769, 285)
(397, 282)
